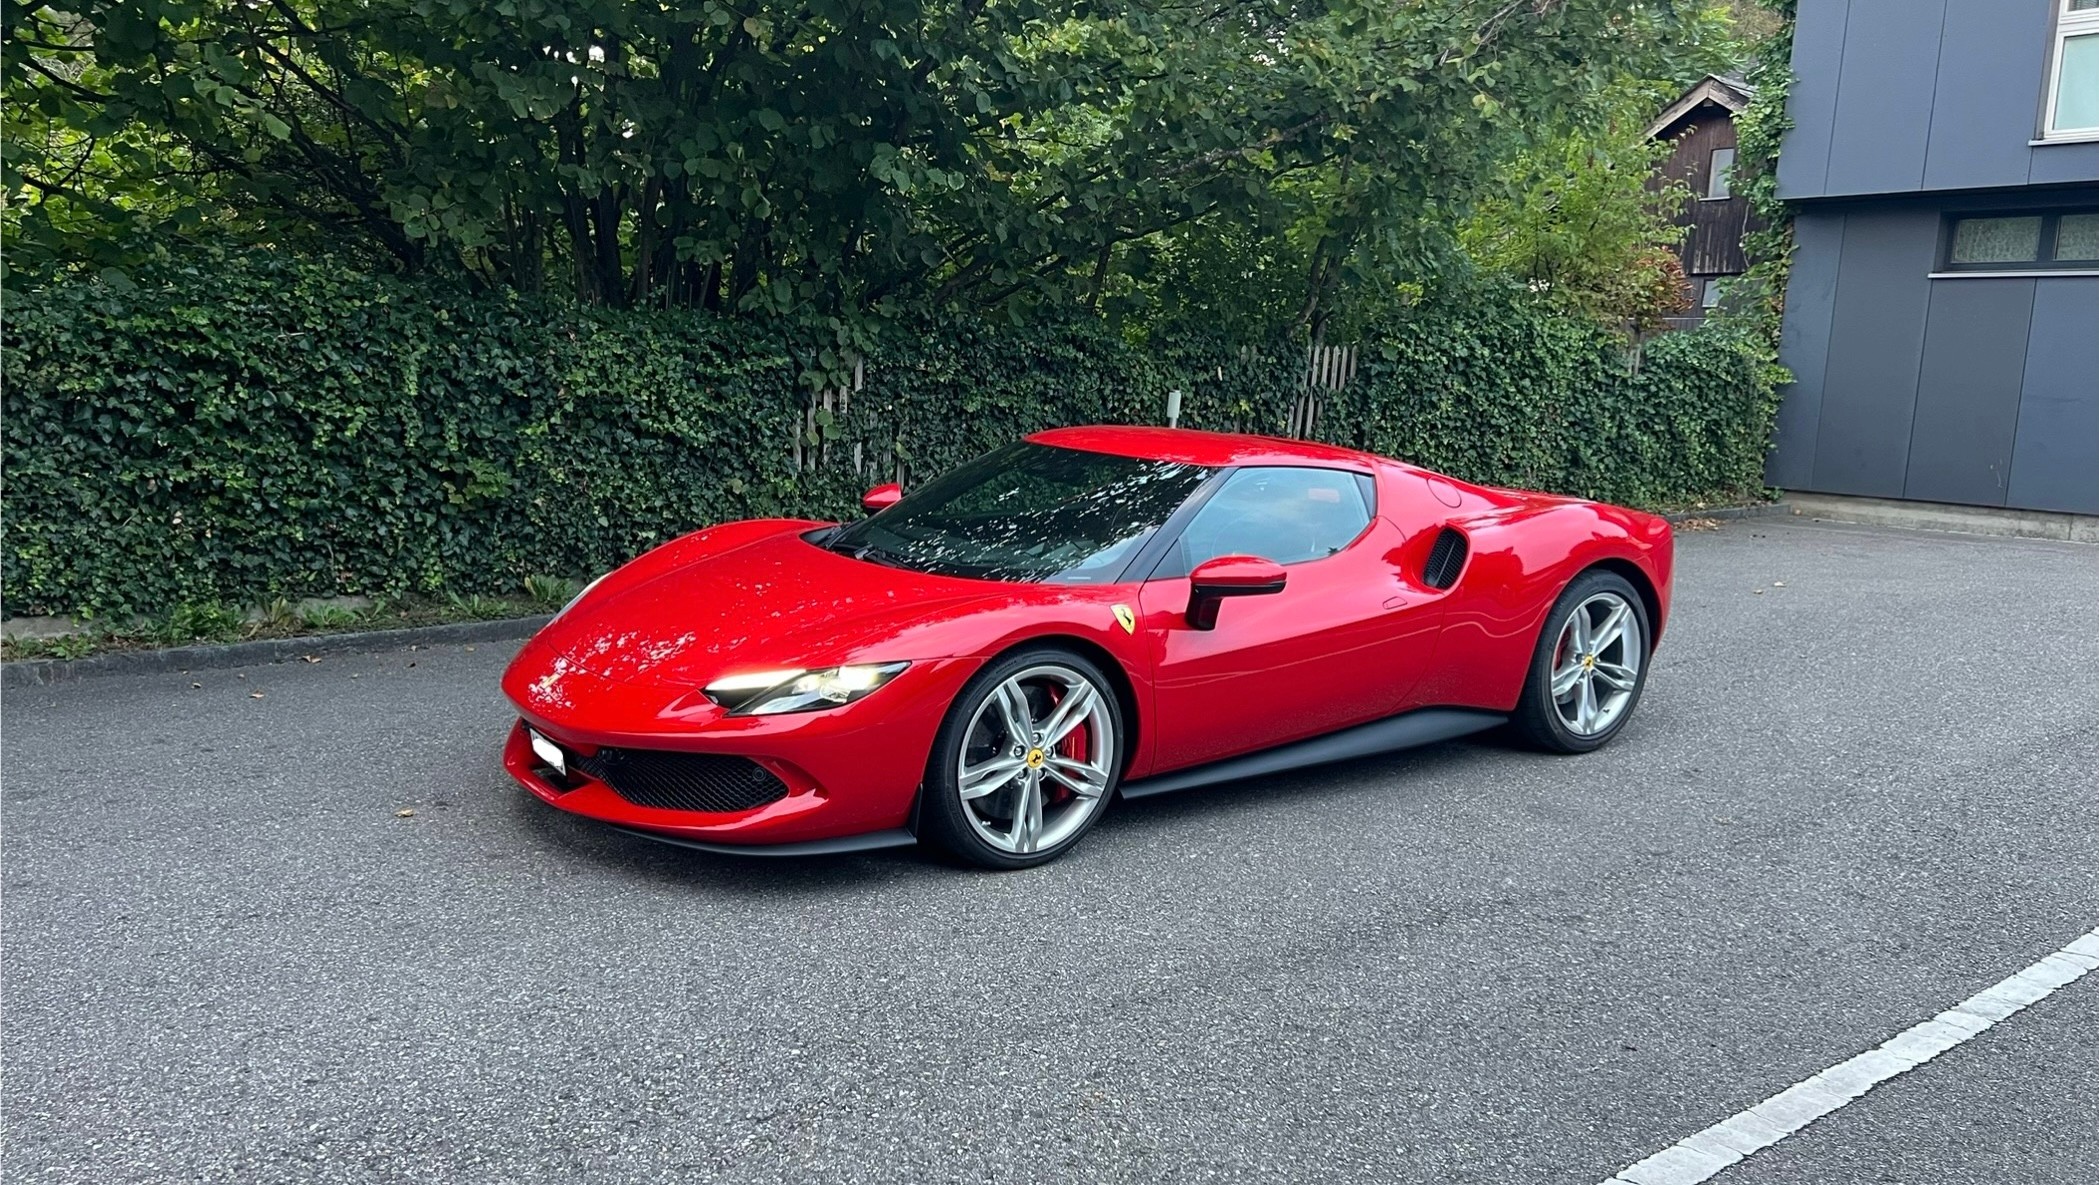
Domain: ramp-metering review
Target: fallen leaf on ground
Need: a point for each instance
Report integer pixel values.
(196, 685)
(255, 695)
(1760, 592)
(308, 658)
(1699, 524)
(1778, 584)
(406, 813)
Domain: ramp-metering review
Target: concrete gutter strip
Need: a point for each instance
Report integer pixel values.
(1940, 516)
(41, 672)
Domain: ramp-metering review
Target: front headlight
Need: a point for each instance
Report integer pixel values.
(769, 693)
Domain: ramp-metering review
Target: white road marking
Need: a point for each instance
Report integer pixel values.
(1701, 1155)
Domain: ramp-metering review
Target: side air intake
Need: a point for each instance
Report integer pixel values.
(1445, 560)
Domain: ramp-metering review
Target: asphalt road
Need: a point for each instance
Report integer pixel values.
(1862, 786)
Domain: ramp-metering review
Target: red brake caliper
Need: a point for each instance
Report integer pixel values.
(1075, 745)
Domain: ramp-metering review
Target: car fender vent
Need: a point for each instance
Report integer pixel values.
(1445, 560)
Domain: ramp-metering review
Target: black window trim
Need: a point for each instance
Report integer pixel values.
(2044, 260)
(1156, 551)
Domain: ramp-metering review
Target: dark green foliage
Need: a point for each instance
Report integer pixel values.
(242, 429)
(775, 155)
(1490, 387)
(1761, 294)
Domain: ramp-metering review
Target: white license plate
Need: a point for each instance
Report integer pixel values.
(550, 753)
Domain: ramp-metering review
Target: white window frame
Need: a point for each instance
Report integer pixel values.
(2068, 23)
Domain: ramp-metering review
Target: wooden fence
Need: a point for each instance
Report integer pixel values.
(1327, 369)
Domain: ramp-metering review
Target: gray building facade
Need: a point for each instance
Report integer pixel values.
(1942, 319)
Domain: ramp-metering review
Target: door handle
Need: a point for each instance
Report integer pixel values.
(1395, 602)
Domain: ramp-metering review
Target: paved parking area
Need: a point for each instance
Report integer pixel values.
(1864, 785)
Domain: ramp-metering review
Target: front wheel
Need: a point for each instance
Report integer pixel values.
(1025, 762)
(1589, 667)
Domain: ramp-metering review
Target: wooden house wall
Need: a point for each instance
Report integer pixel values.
(1712, 243)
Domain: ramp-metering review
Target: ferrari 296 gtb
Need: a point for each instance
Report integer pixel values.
(988, 662)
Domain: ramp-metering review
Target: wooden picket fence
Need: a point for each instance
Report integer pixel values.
(1327, 369)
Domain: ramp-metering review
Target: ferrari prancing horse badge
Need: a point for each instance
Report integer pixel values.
(1126, 619)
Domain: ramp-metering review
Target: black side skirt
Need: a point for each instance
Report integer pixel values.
(1424, 726)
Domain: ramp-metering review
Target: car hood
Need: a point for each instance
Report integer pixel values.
(701, 608)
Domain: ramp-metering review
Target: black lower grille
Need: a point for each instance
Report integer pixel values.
(684, 781)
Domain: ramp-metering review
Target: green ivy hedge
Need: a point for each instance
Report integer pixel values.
(240, 429)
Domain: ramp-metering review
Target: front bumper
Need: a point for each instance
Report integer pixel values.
(850, 771)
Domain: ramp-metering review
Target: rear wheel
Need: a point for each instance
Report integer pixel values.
(1025, 762)
(1589, 668)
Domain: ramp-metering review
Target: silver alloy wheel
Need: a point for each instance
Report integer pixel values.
(1596, 664)
(1035, 759)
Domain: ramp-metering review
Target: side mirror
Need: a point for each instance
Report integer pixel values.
(1229, 576)
(883, 496)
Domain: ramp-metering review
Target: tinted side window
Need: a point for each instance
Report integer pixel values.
(1286, 515)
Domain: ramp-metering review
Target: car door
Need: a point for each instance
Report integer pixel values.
(1343, 642)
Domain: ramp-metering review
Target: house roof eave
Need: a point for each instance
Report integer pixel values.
(1730, 93)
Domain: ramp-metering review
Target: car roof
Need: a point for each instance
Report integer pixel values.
(1209, 449)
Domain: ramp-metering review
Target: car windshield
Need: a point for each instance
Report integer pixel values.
(1027, 512)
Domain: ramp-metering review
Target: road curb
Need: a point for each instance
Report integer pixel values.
(1947, 518)
(1760, 510)
(42, 672)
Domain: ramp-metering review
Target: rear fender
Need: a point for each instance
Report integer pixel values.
(1522, 559)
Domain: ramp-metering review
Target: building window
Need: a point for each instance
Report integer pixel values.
(2073, 87)
(2052, 240)
(1980, 241)
(2077, 238)
(1709, 293)
(1719, 172)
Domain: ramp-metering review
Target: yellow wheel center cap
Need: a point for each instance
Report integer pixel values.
(1589, 661)
(1036, 757)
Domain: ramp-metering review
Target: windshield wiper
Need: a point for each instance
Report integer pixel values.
(875, 555)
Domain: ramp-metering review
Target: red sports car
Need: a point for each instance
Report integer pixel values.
(987, 662)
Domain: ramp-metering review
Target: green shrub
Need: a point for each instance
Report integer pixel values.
(1491, 389)
(196, 621)
(243, 429)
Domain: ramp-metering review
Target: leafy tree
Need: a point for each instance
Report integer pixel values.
(1584, 221)
(1333, 249)
(1753, 22)
(834, 155)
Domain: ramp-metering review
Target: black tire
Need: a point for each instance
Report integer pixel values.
(1539, 717)
(945, 819)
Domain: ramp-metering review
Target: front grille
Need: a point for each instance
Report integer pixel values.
(1445, 560)
(683, 781)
